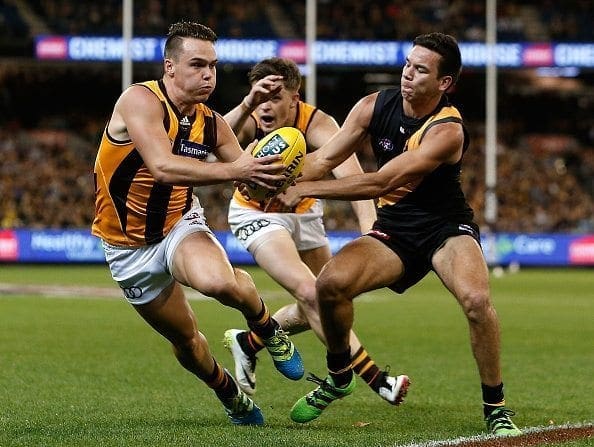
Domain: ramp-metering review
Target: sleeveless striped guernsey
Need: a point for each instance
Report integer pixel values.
(131, 208)
(303, 118)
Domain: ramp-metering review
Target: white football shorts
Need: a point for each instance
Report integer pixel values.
(144, 272)
(306, 229)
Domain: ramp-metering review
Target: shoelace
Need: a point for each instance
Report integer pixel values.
(325, 393)
(277, 344)
(315, 379)
(501, 418)
(240, 404)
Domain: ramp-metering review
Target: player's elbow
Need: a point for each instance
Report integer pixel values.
(374, 192)
(378, 186)
(160, 173)
(314, 167)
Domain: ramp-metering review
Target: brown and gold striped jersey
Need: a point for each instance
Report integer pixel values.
(131, 208)
(303, 118)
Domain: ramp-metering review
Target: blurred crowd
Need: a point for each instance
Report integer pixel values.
(517, 20)
(46, 182)
(152, 17)
(45, 179)
(545, 161)
(525, 20)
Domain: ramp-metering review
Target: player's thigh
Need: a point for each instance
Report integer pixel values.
(362, 265)
(461, 266)
(311, 240)
(276, 253)
(200, 262)
(316, 258)
(170, 314)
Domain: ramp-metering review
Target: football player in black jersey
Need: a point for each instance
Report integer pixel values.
(424, 222)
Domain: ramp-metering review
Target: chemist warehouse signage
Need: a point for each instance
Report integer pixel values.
(332, 53)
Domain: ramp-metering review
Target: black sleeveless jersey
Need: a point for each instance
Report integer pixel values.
(428, 200)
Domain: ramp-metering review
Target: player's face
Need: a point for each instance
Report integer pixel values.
(420, 80)
(194, 70)
(278, 111)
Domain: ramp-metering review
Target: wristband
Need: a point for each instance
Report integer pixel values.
(245, 105)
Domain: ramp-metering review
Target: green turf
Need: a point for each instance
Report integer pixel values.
(79, 372)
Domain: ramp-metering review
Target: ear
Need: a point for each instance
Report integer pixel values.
(445, 83)
(294, 99)
(168, 67)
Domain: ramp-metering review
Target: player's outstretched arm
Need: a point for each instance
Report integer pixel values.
(138, 115)
(364, 209)
(441, 145)
(350, 137)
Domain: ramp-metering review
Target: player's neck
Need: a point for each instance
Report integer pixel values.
(292, 118)
(419, 109)
(184, 106)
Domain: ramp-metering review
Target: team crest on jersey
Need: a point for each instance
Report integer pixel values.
(192, 149)
(386, 144)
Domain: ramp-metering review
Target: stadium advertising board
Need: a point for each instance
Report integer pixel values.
(327, 52)
(538, 249)
(79, 246)
(54, 246)
(9, 247)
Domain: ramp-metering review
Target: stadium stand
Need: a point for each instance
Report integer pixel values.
(530, 20)
(402, 20)
(152, 17)
(46, 129)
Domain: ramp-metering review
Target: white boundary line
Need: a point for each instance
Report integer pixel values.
(485, 438)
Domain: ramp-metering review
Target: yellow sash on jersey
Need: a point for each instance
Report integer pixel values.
(446, 114)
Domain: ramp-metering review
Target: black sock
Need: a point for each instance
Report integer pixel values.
(492, 398)
(221, 383)
(339, 367)
(262, 325)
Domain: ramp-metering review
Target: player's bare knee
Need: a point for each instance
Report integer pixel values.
(331, 286)
(243, 278)
(236, 291)
(226, 292)
(476, 305)
(305, 293)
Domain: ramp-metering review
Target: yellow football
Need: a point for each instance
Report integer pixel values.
(289, 142)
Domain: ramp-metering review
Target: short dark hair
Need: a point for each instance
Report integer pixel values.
(180, 30)
(447, 47)
(277, 66)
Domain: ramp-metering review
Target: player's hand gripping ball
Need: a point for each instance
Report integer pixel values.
(290, 144)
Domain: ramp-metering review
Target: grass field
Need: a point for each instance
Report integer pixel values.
(76, 371)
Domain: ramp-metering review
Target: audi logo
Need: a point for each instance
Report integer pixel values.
(247, 230)
(132, 293)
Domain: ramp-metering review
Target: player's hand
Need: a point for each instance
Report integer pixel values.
(276, 205)
(263, 90)
(242, 188)
(263, 171)
(290, 198)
